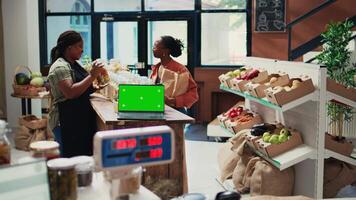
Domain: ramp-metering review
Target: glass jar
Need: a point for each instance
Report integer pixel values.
(5, 150)
(103, 78)
(45, 149)
(84, 167)
(62, 179)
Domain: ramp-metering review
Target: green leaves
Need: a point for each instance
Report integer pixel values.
(336, 57)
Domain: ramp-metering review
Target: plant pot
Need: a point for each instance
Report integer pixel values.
(342, 146)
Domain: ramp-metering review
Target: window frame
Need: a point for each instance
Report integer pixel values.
(193, 18)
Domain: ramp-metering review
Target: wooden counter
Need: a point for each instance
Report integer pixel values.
(107, 120)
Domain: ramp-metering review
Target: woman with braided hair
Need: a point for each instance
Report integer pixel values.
(164, 49)
(72, 118)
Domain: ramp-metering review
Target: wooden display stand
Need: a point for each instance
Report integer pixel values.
(27, 108)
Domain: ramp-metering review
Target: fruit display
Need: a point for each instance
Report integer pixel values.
(232, 113)
(283, 136)
(257, 89)
(244, 121)
(273, 143)
(251, 76)
(28, 84)
(227, 77)
(260, 129)
(296, 88)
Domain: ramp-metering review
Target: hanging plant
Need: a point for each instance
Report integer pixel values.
(336, 57)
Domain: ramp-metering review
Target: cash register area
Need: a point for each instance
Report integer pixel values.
(27, 179)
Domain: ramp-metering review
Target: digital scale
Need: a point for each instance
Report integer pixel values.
(119, 152)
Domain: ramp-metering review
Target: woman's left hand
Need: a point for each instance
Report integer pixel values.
(169, 101)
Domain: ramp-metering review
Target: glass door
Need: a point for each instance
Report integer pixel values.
(119, 40)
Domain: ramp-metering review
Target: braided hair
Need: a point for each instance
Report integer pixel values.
(66, 39)
(175, 46)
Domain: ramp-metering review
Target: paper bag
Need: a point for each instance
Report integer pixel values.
(175, 84)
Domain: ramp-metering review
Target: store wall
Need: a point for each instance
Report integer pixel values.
(21, 47)
(2, 71)
(269, 45)
(275, 45)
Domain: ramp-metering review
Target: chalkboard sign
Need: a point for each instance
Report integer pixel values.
(270, 15)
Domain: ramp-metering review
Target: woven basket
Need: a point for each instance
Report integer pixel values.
(25, 90)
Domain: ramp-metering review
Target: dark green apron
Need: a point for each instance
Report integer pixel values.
(77, 120)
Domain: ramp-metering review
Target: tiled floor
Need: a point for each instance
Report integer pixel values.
(202, 167)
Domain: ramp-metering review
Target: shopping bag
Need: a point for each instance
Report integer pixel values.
(175, 84)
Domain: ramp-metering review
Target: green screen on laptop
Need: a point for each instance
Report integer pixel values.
(141, 98)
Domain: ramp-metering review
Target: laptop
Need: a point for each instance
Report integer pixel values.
(143, 102)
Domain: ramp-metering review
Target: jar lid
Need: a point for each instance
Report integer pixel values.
(60, 163)
(83, 163)
(44, 145)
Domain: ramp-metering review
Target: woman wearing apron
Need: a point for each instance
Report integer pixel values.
(72, 118)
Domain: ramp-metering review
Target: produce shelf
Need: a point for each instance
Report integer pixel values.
(265, 102)
(290, 158)
(341, 99)
(215, 130)
(348, 159)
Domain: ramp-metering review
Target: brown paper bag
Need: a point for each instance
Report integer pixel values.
(31, 129)
(268, 180)
(228, 156)
(25, 136)
(174, 83)
(337, 175)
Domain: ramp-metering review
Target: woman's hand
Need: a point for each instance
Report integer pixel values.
(170, 101)
(97, 67)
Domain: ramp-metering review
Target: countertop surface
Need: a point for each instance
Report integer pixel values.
(106, 111)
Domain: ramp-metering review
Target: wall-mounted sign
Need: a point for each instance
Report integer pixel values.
(270, 15)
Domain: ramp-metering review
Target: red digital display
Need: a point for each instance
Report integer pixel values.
(125, 144)
(152, 141)
(153, 153)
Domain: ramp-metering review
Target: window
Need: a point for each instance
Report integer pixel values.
(176, 29)
(231, 27)
(223, 4)
(55, 6)
(119, 40)
(169, 5)
(214, 32)
(117, 5)
(58, 24)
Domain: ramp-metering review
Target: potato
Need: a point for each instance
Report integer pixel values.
(295, 82)
(273, 79)
(287, 88)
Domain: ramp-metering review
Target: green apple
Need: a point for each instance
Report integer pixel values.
(236, 72)
(273, 139)
(284, 131)
(266, 134)
(266, 138)
(282, 138)
(230, 74)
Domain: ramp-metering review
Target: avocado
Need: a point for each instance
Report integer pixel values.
(22, 79)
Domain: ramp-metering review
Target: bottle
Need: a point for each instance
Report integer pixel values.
(5, 150)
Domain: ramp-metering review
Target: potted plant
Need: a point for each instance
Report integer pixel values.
(336, 57)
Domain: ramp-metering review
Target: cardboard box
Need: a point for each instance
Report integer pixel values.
(258, 89)
(283, 97)
(339, 89)
(236, 126)
(342, 147)
(272, 150)
(225, 80)
(222, 118)
(239, 84)
(251, 139)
